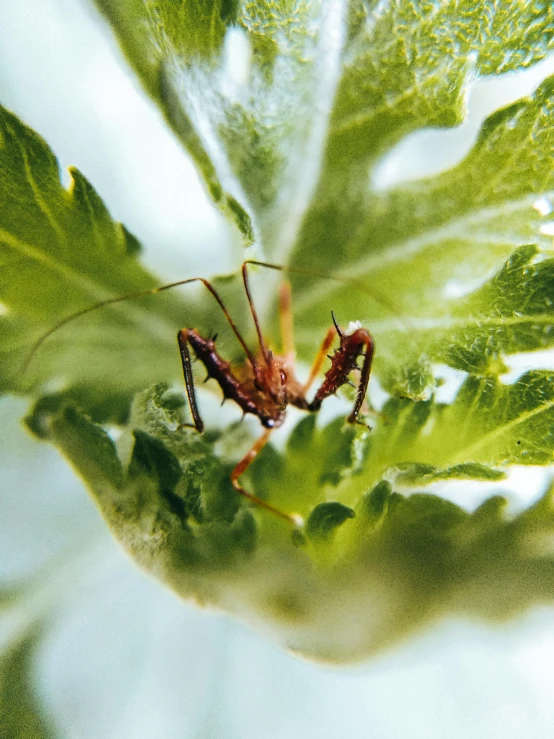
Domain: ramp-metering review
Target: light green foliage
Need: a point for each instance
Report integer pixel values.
(406, 66)
(387, 562)
(364, 74)
(286, 108)
(454, 230)
(302, 156)
(325, 518)
(488, 423)
(61, 252)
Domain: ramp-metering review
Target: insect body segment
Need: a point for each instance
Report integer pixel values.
(247, 392)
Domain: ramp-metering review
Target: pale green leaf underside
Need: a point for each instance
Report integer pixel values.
(399, 67)
(61, 252)
(329, 87)
(422, 246)
(288, 153)
(385, 562)
(483, 205)
(511, 312)
(115, 351)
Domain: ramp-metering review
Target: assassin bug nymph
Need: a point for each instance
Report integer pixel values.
(265, 384)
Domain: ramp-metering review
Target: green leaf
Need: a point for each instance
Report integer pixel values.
(489, 424)
(407, 66)
(218, 78)
(456, 269)
(488, 427)
(397, 563)
(375, 503)
(423, 474)
(410, 248)
(510, 313)
(423, 245)
(171, 483)
(61, 253)
(325, 518)
(363, 76)
(340, 450)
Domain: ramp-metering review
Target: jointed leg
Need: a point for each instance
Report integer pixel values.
(182, 338)
(261, 341)
(364, 379)
(285, 312)
(342, 363)
(241, 468)
(320, 357)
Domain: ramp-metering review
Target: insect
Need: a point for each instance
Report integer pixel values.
(265, 384)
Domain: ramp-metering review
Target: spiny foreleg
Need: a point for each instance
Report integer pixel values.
(343, 362)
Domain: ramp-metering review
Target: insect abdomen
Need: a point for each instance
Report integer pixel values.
(231, 386)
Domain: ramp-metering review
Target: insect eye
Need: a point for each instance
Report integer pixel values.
(283, 376)
(257, 385)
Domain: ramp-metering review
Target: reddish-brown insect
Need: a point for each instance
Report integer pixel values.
(266, 383)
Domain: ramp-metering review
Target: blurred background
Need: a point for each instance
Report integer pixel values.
(121, 656)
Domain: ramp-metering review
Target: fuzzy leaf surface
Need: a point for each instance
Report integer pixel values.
(318, 90)
(450, 282)
(61, 252)
(364, 76)
(389, 563)
(457, 270)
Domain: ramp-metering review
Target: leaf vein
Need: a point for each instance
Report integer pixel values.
(496, 433)
(36, 192)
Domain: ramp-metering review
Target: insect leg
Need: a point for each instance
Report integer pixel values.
(320, 357)
(182, 338)
(241, 468)
(287, 330)
(343, 362)
(364, 379)
(348, 280)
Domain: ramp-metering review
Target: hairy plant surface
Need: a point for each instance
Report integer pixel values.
(286, 108)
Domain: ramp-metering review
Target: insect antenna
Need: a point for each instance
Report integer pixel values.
(377, 295)
(339, 332)
(131, 296)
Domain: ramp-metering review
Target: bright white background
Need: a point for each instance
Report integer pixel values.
(123, 656)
